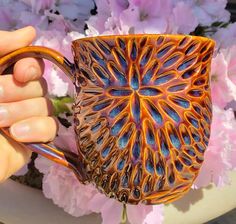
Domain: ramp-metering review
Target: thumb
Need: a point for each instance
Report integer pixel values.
(10, 41)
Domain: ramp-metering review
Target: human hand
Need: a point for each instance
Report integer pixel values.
(23, 105)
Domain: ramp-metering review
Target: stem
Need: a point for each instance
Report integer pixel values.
(124, 214)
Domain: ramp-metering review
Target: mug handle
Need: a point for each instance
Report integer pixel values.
(49, 150)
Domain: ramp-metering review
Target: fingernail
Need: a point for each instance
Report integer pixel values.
(3, 114)
(32, 72)
(20, 130)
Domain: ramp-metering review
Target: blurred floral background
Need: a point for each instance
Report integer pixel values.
(58, 22)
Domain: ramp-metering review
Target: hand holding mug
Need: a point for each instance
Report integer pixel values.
(23, 105)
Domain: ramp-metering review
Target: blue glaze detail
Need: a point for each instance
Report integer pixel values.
(193, 121)
(197, 109)
(96, 127)
(190, 49)
(186, 161)
(206, 141)
(160, 169)
(118, 126)
(137, 178)
(133, 54)
(121, 44)
(100, 140)
(186, 64)
(196, 137)
(120, 92)
(150, 166)
(102, 105)
(155, 114)
(171, 61)
(98, 59)
(188, 74)
(125, 180)
(124, 139)
(164, 79)
(171, 112)
(160, 184)
(178, 165)
(106, 151)
(195, 92)
(206, 133)
(171, 178)
(120, 76)
(121, 164)
(164, 148)
(181, 102)
(145, 58)
(164, 51)
(186, 138)
(177, 88)
(122, 60)
(206, 57)
(134, 82)
(203, 71)
(102, 76)
(103, 48)
(136, 150)
(175, 141)
(206, 118)
(200, 147)
(136, 109)
(150, 137)
(117, 109)
(147, 77)
(190, 151)
(149, 91)
(146, 188)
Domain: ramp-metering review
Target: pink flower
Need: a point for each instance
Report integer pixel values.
(107, 19)
(111, 211)
(66, 138)
(58, 83)
(183, 19)
(209, 11)
(39, 5)
(9, 16)
(226, 37)
(220, 90)
(146, 16)
(61, 185)
(216, 161)
(230, 57)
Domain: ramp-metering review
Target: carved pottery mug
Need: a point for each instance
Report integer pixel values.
(142, 113)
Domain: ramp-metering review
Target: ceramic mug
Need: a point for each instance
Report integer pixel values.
(142, 112)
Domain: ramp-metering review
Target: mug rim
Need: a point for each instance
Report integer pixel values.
(171, 36)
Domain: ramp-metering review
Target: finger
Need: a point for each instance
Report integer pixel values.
(35, 129)
(11, 41)
(28, 69)
(12, 157)
(12, 90)
(11, 113)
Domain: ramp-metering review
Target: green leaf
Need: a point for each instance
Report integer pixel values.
(62, 105)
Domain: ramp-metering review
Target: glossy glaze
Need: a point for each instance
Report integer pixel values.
(142, 114)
